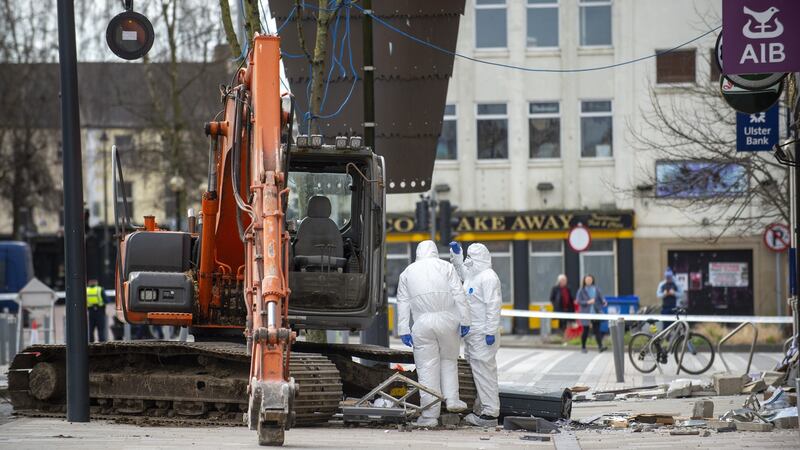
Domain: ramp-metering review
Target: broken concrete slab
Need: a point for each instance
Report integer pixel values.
(450, 419)
(703, 409)
(726, 384)
(661, 419)
(604, 396)
(753, 426)
(679, 388)
(535, 424)
(618, 423)
(754, 386)
(773, 378)
(684, 432)
(721, 425)
(704, 393)
(783, 423)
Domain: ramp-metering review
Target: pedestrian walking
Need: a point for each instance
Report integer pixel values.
(430, 293)
(591, 300)
(484, 299)
(562, 299)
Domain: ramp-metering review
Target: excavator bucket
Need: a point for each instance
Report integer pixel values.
(407, 126)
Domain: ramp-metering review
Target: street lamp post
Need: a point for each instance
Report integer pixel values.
(106, 237)
(176, 185)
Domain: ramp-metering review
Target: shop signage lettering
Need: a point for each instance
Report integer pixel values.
(487, 223)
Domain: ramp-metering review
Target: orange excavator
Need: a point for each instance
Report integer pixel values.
(282, 218)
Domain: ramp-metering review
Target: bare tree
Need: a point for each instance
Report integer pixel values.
(25, 177)
(690, 133)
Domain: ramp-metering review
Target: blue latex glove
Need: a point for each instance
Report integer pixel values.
(464, 330)
(455, 247)
(406, 338)
(489, 339)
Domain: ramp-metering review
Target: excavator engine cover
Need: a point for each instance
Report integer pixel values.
(156, 268)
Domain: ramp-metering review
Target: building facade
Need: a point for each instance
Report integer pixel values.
(525, 155)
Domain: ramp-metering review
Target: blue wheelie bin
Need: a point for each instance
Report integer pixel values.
(624, 304)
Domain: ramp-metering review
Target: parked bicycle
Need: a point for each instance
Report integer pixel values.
(648, 349)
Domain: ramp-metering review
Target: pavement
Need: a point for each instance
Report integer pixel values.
(529, 368)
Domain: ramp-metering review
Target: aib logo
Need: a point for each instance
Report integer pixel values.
(763, 25)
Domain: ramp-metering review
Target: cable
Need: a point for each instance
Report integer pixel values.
(526, 69)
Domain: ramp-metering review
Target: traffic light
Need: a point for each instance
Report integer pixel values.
(447, 223)
(422, 215)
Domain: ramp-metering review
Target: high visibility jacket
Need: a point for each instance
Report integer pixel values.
(94, 296)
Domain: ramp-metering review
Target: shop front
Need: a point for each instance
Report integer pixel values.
(529, 251)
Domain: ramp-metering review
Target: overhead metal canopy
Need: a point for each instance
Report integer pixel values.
(410, 80)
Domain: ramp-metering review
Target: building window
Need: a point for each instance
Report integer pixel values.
(544, 129)
(490, 23)
(545, 264)
(398, 257)
(128, 198)
(595, 23)
(447, 147)
(598, 260)
(715, 74)
(542, 24)
(492, 131)
(675, 67)
(596, 129)
(124, 142)
(700, 179)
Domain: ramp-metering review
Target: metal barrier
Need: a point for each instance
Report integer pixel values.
(663, 332)
(752, 345)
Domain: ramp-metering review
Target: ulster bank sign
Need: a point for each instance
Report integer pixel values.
(523, 222)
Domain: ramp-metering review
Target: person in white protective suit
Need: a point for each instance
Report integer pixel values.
(484, 298)
(430, 293)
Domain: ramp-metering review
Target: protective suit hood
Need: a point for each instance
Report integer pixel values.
(480, 256)
(427, 249)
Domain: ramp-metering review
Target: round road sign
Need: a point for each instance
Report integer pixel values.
(130, 35)
(579, 238)
(754, 81)
(746, 100)
(777, 237)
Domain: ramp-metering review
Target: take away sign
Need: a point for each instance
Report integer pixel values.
(761, 36)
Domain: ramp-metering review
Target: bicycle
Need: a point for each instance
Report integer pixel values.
(646, 350)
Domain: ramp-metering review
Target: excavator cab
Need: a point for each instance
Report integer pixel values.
(336, 217)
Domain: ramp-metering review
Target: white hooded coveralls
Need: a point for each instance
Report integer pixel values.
(484, 298)
(430, 292)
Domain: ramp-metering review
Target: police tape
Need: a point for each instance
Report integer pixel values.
(643, 317)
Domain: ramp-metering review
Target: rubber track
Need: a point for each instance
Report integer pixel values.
(318, 398)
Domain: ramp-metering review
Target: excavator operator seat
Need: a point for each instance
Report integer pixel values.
(319, 246)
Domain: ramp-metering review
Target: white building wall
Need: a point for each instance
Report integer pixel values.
(639, 28)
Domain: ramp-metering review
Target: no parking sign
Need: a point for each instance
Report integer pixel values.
(776, 237)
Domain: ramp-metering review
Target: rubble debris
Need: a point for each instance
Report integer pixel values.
(548, 405)
(705, 433)
(532, 437)
(450, 419)
(604, 396)
(726, 384)
(754, 386)
(721, 425)
(684, 433)
(703, 409)
(754, 426)
(579, 398)
(659, 392)
(661, 419)
(534, 424)
(773, 378)
(680, 388)
(632, 389)
(579, 388)
(618, 423)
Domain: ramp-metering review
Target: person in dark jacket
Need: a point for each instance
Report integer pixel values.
(591, 300)
(562, 300)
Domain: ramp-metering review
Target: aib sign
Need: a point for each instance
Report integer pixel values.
(757, 132)
(761, 36)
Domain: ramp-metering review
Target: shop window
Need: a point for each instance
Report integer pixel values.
(398, 257)
(595, 23)
(700, 179)
(715, 74)
(490, 23)
(677, 66)
(492, 131)
(599, 260)
(502, 264)
(446, 148)
(596, 129)
(546, 263)
(542, 24)
(544, 129)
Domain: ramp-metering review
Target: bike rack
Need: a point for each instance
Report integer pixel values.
(752, 345)
(658, 336)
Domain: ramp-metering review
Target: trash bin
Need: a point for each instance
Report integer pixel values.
(624, 304)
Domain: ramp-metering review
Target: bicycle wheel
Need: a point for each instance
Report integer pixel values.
(637, 352)
(699, 355)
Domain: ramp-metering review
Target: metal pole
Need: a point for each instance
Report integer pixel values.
(74, 239)
(617, 328)
(778, 282)
(106, 237)
(3, 339)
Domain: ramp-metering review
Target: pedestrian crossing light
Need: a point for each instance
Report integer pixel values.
(130, 35)
(447, 223)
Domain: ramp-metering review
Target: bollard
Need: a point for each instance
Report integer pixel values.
(3, 339)
(11, 332)
(544, 324)
(617, 328)
(184, 334)
(126, 332)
